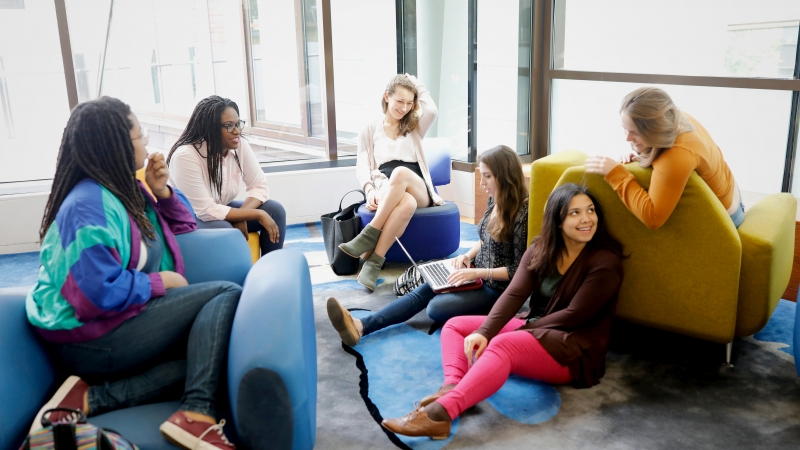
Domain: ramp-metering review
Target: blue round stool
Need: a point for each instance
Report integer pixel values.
(433, 232)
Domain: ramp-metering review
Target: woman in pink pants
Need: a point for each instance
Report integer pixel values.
(573, 272)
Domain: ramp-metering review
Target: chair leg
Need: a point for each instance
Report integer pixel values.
(728, 349)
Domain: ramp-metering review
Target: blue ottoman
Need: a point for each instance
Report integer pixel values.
(433, 233)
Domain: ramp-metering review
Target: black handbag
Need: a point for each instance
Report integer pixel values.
(339, 227)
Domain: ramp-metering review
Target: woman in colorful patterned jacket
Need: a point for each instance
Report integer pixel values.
(111, 299)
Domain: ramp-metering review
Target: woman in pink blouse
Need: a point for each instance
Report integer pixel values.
(211, 164)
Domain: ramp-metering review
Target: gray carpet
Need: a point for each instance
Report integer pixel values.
(661, 391)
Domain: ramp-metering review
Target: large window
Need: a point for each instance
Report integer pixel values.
(732, 65)
(364, 59)
(474, 57)
(163, 57)
(538, 77)
(679, 37)
(33, 96)
(749, 125)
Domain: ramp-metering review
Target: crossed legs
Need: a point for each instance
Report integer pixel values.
(398, 199)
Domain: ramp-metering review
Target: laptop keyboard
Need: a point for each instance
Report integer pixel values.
(438, 272)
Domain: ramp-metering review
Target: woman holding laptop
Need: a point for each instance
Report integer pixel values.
(503, 233)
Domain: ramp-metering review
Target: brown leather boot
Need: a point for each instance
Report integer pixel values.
(444, 389)
(417, 423)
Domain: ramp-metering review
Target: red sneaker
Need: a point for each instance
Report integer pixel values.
(69, 395)
(191, 434)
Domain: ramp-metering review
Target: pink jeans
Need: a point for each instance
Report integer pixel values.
(516, 352)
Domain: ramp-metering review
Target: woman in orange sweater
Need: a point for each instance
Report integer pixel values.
(675, 145)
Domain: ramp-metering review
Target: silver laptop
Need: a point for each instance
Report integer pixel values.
(435, 273)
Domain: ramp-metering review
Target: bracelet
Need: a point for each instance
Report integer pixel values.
(489, 275)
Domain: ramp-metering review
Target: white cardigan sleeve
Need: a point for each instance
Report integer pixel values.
(363, 154)
(186, 172)
(254, 179)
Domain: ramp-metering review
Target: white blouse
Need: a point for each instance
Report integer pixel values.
(188, 171)
(387, 149)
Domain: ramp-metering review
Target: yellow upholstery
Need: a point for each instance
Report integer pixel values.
(255, 246)
(684, 277)
(252, 238)
(767, 236)
(140, 177)
(545, 173)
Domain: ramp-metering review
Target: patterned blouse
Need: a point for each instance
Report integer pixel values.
(493, 254)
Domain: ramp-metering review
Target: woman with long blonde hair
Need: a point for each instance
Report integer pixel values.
(392, 171)
(503, 233)
(674, 144)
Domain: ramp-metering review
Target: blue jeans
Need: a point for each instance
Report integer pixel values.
(738, 216)
(441, 308)
(178, 339)
(271, 207)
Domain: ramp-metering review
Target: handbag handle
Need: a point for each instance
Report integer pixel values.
(345, 195)
(46, 420)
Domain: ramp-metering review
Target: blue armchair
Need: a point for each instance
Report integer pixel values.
(272, 352)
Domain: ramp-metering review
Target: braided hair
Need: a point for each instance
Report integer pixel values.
(204, 126)
(97, 144)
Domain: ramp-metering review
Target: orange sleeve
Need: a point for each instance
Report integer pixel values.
(653, 207)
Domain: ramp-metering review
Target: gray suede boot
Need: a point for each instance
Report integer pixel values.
(370, 271)
(364, 242)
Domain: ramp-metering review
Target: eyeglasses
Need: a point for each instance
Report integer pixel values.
(145, 137)
(230, 126)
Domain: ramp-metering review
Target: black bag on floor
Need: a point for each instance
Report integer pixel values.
(339, 227)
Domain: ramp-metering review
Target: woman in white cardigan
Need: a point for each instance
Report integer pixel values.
(211, 164)
(393, 172)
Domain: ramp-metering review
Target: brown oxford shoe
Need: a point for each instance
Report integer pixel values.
(417, 423)
(444, 389)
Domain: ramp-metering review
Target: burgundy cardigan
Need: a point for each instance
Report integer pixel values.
(577, 321)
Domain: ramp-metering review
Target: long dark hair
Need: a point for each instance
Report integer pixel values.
(511, 193)
(204, 125)
(550, 242)
(97, 144)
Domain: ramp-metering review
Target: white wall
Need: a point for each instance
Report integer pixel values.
(308, 194)
(20, 217)
(460, 191)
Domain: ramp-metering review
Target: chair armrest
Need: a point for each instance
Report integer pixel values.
(437, 154)
(215, 255)
(767, 236)
(26, 374)
(274, 329)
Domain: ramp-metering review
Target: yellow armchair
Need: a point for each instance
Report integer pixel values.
(696, 275)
